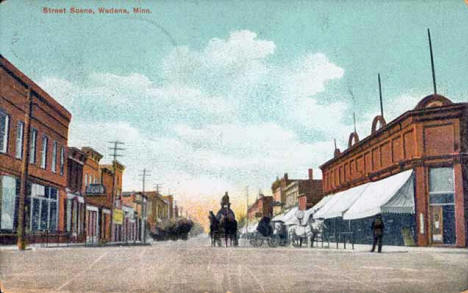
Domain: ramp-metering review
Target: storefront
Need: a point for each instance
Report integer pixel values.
(75, 215)
(92, 224)
(117, 222)
(426, 151)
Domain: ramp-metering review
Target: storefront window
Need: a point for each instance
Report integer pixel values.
(442, 205)
(7, 196)
(44, 208)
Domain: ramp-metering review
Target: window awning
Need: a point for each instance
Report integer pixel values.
(394, 194)
(340, 202)
(315, 208)
(289, 218)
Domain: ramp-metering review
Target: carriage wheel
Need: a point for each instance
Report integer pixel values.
(256, 241)
(273, 241)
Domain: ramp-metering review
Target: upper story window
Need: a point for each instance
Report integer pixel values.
(4, 121)
(32, 146)
(45, 142)
(54, 157)
(62, 160)
(19, 139)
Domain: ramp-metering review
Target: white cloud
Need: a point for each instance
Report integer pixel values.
(222, 117)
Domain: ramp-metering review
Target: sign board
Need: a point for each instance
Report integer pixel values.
(95, 189)
(117, 216)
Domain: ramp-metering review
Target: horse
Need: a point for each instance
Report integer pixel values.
(228, 227)
(214, 230)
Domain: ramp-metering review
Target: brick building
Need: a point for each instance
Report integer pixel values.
(431, 143)
(139, 202)
(288, 193)
(47, 152)
(158, 209)
(75, 211)
(113, 184)
(262, 207)
(97, 197)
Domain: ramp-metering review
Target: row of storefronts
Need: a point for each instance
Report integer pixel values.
(69, 194)
(413, 171)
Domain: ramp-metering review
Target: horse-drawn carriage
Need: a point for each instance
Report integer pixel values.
(223, 225)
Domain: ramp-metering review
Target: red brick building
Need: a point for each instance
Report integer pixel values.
(48, 135)
(431, 140)
(288, 193)
(75, 207)
(262, 207)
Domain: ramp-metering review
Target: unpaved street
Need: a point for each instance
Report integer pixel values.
(193, 266)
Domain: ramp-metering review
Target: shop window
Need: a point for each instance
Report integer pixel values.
(4, 121)
(19, 140)
(45, 141)
(7, 197)
(32, 146)
(44, 208)
(442, 205)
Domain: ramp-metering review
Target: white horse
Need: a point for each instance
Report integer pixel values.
(306, 229)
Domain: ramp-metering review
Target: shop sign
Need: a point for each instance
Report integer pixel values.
(118, 216)
(95, 189)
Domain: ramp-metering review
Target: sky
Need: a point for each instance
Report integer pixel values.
(214, 96)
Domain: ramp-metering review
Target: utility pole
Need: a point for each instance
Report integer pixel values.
(115, 148)
(21, 242)
(145, 173)
(156, 186)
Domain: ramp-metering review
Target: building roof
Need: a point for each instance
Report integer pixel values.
(43, 95)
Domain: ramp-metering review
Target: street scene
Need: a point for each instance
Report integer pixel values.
(193, 266)
(197, 146)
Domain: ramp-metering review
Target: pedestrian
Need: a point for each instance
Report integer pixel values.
(377, 229)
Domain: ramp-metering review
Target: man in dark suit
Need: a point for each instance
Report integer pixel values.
(378, 229)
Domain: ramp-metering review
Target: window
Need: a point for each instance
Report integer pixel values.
(45, 141)
(44, 208)
(7, 204)
(54, 157)
(62, 160)
(32, 146)
(86, 180)
(4, 120)
(19, 139)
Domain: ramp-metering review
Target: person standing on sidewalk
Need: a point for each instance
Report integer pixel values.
(378, 229)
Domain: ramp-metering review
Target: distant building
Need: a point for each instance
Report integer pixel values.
(262, 207)
(289, 193)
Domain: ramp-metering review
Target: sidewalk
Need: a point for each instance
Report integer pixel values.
(35, 246)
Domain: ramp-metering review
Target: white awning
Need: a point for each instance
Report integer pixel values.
(315, 208)
(340, 202)
(393, 194)
(290, 217)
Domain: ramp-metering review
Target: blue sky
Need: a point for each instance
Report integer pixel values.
(217, 95)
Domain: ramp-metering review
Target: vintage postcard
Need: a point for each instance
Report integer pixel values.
(233, 146)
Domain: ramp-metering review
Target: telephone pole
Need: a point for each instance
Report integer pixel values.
(145, 173)
(21, 242)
